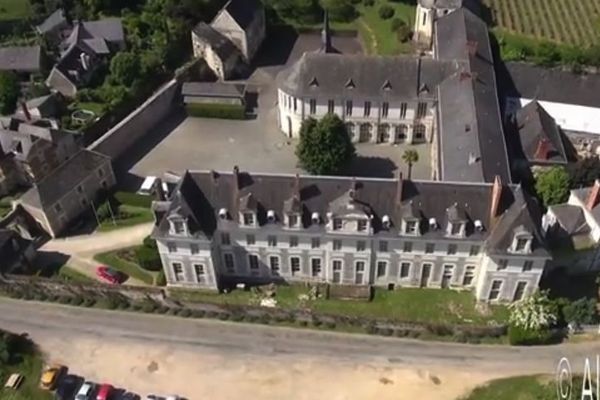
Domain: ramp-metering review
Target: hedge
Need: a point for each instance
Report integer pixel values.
(223, 111)
(148, 258)
(518, 336)
(134, 200)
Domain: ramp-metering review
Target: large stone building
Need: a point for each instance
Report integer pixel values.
(448, 99)
(218, 229)
(233, 37)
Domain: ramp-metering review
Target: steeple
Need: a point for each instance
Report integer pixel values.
(326, 35)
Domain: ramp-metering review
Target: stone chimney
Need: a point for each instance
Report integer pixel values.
(594, 197)
(543, 149)
(26, 112)
(495, 199)
(159, 191)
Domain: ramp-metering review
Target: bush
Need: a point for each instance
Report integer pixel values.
(316, 322)
(162, 309)
(76, 300)
(386, 12)
(397, 23)
(265, 319)
(150, 243)
(148, 258)
(185, 313)
(148, 306)
(64, 299)
(404, 33)
(439, 329)
(385, 331)
(198, 313)
(582, 311)
(222, 111)
(369, 3)
(107, 210)
(518, 336)
(134, 200)
(161, 280)
(224, 316)
(88, 302)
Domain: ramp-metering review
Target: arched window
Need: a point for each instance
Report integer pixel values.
(384, 133)
(400, 133)
(365, 132)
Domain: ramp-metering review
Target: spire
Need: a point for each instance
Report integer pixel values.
(326, 34)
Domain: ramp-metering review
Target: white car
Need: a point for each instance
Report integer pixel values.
(173, 397)
(85, 391)
(148, 184)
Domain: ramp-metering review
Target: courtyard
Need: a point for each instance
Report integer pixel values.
(181, 143)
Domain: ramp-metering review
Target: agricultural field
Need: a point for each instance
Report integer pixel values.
(573, 22)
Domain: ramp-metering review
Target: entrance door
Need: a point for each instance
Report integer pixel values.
(447, 276)
(425, 274)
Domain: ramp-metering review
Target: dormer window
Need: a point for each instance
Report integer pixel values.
(223, 213)
(411, 227)
(337, 224)
(385, 222)
(248, 218)
(362, 225)
(178, 227)
(293, 221)
(271, 216)
(315, 218)
(455, 228)
(521, 241)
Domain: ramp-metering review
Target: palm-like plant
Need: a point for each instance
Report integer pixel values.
(410, 157)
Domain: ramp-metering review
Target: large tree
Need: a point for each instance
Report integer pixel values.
(340, 10)
(124, 68)
(410, 157)
(584, 172)
(9, 92)
(552, 185)
(325, 147)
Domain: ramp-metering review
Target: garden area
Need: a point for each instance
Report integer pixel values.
(522, 388)
(124, 210)
(14, 9)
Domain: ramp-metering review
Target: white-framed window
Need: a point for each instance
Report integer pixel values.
(349, 108)
(337, 244)
(178, 271)
(381, 268)
(178, 227)
(407, 247)
(502, 264)
(293, 220)
(519, 291)
(367, 111)
(315, 267)
(447, 274)
(274, 263)
(253, 263)
(383, 246)
(194, 248)
(250, 240)
(419, 132)
(248, 218)
(359, 272)
(313, 106)
(171, 247)
(272, 240)
(293, 241)
(362, 225)
(225, 239)
(522, 244)
(337, 224)
(527, 266)
(200, 271)
(336, 266)
(361, 245)
(404, 270)
(385, 109)
(421, 110)
(474, 251)
(452, 248)
(429, 248)
(295, 265)
(495, 289)
(330, 106)
(403, 109)
(229, 263)
(410, 227)
(315, 243)
(469, 275)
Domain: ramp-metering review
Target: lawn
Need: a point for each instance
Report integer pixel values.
(417, 305)
(96, 108)
(69, 274)
(117, 260)
(521, 388)
(14, 9)
(377, 33)
(129, 216)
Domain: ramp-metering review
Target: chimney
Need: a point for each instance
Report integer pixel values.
(159, 191)
(495, 200)
(594, 196)
(236, 192)
(25, 111)
(399, 184)
(543, 149)
(353, 188)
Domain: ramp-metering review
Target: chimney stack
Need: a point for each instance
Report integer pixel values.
(594, 196)
(543, 149)
(25, 111)
(495, 200)
(159, 191)
(236, 192)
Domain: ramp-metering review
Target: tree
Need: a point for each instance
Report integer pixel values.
(535, 313)
(124, 68)
(584, 172)
(552, 185)
(386, 11)
(325, 147)
(340, 10)
(581, 311)
(9, 92)
(410, 157)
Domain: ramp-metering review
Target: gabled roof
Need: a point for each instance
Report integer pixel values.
(539, 134)
(54, 21)
(217, 41)
(21, 59)
(242, 11)
(213, 89)
(570, 218)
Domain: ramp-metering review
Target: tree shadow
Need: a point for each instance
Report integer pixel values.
(371, 167)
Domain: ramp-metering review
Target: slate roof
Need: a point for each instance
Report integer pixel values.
(54, 21)
(203, 194)
(21, 59)
(364, 77)
(219, 43)
(14, 132)
(12, 245)
(570, 218)
(242, 11)
(583, 194)
(473, 146)
(537, 128)
(551, 84)
(473, 5)
(213, 89)
(64, 179)
(109, 29)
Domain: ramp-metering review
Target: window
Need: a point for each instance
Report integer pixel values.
(400, 131)
(359, 269)
(250, 240)
(194, 249)
(58, 208)
(199, 269)
(403, 108)
(424, 18)
(429, 248)
(225, 239)
(293, 241)
(330, 106)
(274, 264)
(293, 221)
(520, 291)
(315, 266)
(349, 108)
(229, 263)
(313, 106)
(383, 246)
(248, 219)
(521, 244)
(404, 270)
(337, 244)
(455, 229)
(171, 247)
(295, 104)
(447, 276)
(337, 271)
(452, 249)
(385, 109)
(367, 108)
(337, 224)
(100, 173)
(502, 264)
(83, 202)
(253, 261)
(315, 243)
(410, 227)
(381, 268)
(407, 247)
(79, 189)
(360, 266)
(272, 240)
(495, 290)
(362, 225)
(178, 227)
(178, 272)
(337, 265)
(527, 266)
(469, 275)
(474, 250)
(361, 245)
(104, 184)
(421, 110)
(295, 265)
(419, 132)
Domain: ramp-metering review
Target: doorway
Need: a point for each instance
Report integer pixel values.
(425, 274)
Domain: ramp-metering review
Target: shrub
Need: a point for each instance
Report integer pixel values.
(397, 23)
(148, 306)
(162, 309)
(185, 313)
(88, 302)
(403, 33)
(107, 210)
(211, 314)
(76, 300)
(303, 323)
(134, 200)
(265, 319)
(582, 311)
(316, 322)
(386, 12)
(237, 317)
(371, 328)
(161, 280)
(222, 111)
(369, 3)
(198, 313)
(172, 311)
(150, 243)
(148, 258)
(64, 299)
(518, 336)
(330, 324)
(385, 331)
(439, 329)
(224, 316)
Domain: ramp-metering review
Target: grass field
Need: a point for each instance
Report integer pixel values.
(133, 216)
(69, 274)
(14, 9)
(575, 22)
(114, 260)
(524, 388)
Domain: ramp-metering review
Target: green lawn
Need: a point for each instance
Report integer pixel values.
(408, 304)
(96, 108)
(114, 260)
(519, 388)
(14, 9)
(377, 34)
(69, 274)
(134, 216)
(30, 366)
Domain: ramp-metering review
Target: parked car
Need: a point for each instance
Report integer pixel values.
(128, 396)
(104, 392)
(51, 375)
(86, 391)
(67, 386)
(110, 275)
(173, 397)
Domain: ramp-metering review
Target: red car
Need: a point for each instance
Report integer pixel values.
(104, 392)
(110, 275)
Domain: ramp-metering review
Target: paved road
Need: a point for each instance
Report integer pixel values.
(41, 320)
